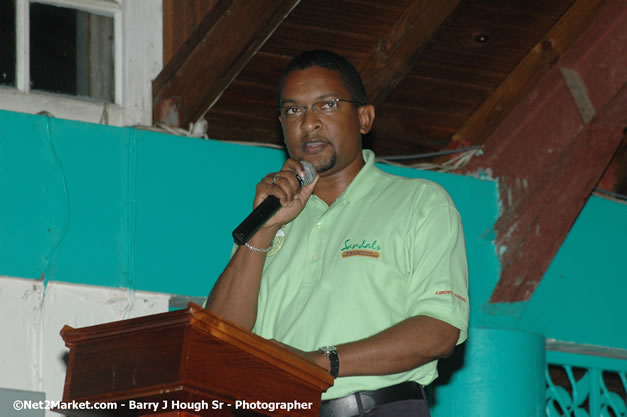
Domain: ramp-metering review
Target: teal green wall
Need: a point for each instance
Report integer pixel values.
(582, 296)
(119, 207)
(124, 207)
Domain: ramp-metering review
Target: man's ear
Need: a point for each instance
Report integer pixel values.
(366, 118)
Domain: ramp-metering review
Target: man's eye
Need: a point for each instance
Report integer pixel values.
(291, 111)
(329, 105)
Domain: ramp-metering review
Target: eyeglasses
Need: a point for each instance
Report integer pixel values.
(326, 107)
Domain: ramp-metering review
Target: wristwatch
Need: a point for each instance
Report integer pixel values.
(331, 352)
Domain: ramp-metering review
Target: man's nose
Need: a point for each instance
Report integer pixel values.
(310, 120)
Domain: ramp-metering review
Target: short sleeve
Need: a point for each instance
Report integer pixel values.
(438, 281)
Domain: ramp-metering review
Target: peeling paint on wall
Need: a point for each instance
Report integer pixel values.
(32, 350)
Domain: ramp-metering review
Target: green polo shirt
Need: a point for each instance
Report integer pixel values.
(387, 249)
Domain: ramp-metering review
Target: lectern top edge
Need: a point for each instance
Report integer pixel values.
(207, 322)
(73, 335)
(257, 345)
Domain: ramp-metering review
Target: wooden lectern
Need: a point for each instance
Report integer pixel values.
(185, 363)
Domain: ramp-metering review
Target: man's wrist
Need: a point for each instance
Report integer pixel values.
(333, 359)
(322, 360)
(263, 238)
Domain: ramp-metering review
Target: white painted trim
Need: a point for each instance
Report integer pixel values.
(22, 38)
(584, 349)
(143, 57)
(103, 7)
(138, 27)
(60, 106)
(118, 57)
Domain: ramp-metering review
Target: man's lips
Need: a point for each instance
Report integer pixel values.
(314, 145)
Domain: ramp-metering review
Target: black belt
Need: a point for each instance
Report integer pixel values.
(348, 406)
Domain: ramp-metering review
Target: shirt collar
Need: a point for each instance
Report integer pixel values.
(361, 184)
(363, 181)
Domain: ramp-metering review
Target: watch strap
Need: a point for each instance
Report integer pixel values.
(331, 352)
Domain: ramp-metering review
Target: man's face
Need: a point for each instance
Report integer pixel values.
(330, 142)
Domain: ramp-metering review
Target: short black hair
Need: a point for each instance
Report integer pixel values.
(332, 61)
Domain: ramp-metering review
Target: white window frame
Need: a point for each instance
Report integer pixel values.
(138, 56)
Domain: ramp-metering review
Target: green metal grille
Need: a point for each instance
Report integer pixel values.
(585, 387)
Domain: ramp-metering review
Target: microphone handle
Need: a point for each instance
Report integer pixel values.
(256, 219)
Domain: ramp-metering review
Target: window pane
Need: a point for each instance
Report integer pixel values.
(71, 52)
(7, 42)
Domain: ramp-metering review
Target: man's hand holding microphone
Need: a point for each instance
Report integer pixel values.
(280, 197)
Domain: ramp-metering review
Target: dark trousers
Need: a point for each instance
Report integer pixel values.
(414, 407)
(407, 408)
(361, 404)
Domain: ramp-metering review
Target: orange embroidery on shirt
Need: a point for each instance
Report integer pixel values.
(369, 253)
(450, 292)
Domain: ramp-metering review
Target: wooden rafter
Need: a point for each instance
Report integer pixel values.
(539, 228)
(392, 58)
(526, 74)
(553, 148)
(180, 18)
(225, 40)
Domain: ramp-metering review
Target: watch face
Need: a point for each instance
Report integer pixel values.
(327, 349)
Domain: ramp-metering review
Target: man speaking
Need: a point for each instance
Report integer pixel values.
(360, 271)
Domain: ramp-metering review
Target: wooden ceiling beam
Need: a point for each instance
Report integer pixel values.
(389, 62)
(180, 18)
(531, 234)
(225, 40)
(521, 80)
(553, 148)
(238, 129)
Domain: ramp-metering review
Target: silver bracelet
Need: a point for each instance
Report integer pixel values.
(254, 249)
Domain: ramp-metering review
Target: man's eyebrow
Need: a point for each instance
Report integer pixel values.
(330, 95)
(321, 97)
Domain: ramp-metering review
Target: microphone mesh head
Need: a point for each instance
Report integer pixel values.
(310, 172)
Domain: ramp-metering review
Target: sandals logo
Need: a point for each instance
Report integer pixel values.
(363, 248)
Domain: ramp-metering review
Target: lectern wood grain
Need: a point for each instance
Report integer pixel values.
(186, 363)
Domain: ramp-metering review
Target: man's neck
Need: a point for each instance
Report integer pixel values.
(330, 187)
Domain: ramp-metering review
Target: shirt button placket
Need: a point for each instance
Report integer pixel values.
(315, 239)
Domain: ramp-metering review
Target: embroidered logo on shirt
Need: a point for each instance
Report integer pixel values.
(277, 242)
(363, 248)
(450, 292)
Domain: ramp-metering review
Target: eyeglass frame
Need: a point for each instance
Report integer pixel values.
(305, 108)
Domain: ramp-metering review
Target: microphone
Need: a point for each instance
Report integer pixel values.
(267, 208)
